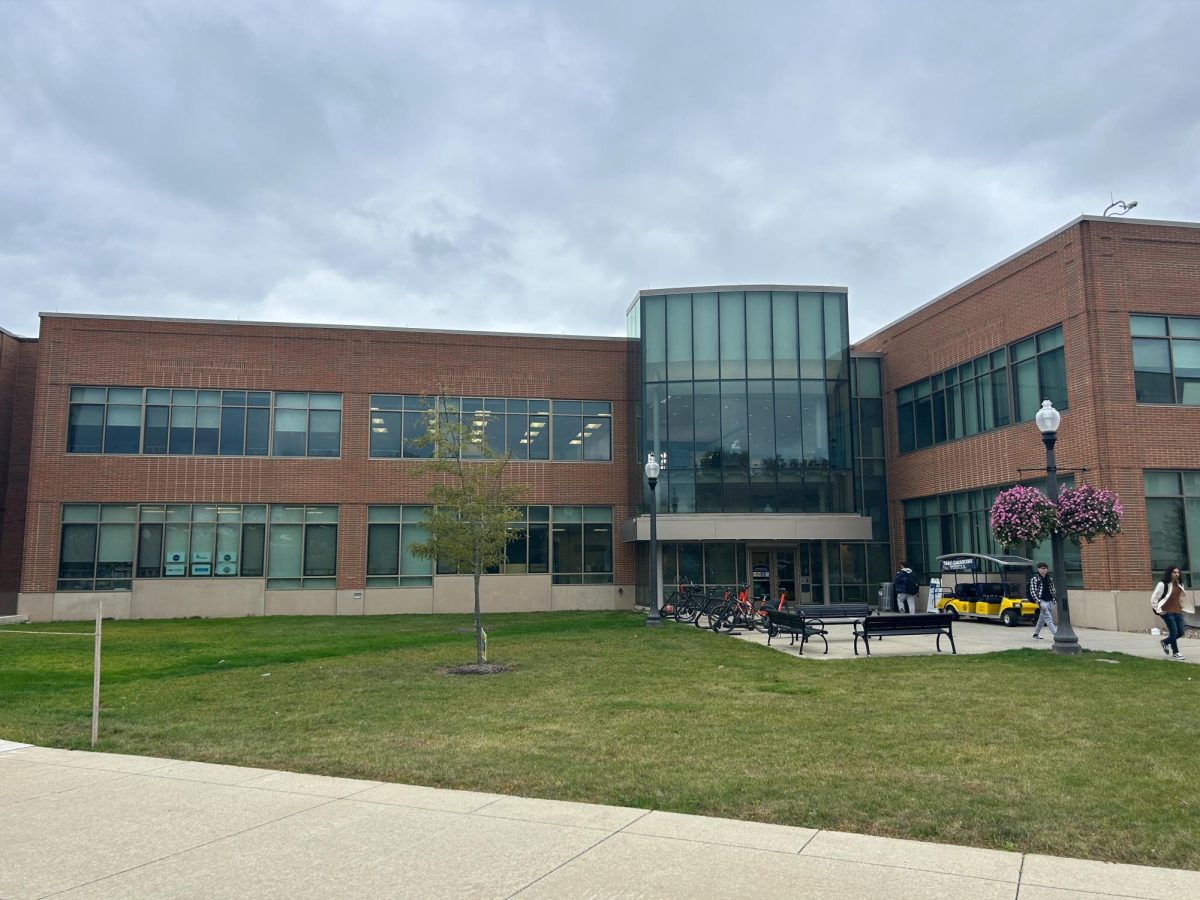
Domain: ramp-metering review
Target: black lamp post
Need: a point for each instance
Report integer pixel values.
(1065, 639)
(653, 469)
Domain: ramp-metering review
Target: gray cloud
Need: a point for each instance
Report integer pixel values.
(529, 166)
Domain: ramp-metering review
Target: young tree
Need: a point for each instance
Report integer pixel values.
(472, 505)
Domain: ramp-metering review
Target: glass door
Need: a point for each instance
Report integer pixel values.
(772, 571)
(760, 573)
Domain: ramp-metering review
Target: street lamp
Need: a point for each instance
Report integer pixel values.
(1065, 639)
(1119, 207)
(653, 470)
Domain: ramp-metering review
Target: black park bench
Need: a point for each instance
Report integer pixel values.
(833, 613)
(795, 625)
(912, 623)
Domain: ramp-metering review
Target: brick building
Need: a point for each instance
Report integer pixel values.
(1103, 318)
(177, 467)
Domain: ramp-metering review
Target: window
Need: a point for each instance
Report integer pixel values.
(572, 543)
(529, 550)
(1166, 359)
(582, 538)
(105, 545)
(1173, 518)
(307, 424)
(302, 546)
(1001, 387)
(392, 531)
(194, 540)
(190, 422)
(560, 430)
(96, 547)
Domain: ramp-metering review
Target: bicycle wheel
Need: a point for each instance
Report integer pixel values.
(686, 610)
(704, 613)
(725, 620)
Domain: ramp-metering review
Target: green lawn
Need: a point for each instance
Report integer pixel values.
(1020, 750)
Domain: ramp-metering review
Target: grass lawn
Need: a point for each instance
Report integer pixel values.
(1020, 750)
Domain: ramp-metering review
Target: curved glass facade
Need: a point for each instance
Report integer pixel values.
(748, 394)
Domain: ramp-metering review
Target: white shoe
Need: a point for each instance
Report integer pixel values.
(1038, 637)
(1177, 656)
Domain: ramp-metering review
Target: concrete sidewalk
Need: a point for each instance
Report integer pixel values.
(92, 825)
(974, 637)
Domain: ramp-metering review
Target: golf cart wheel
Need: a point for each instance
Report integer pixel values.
(1010, 617)
(952, 611)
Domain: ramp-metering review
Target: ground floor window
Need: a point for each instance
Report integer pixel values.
(392, 532)
(302, 546)
(574, 544)
(1173, 519)
(856, 569)
(958, 523)
(104, 546)
(96, 549)
(198, 540)
(582, 544)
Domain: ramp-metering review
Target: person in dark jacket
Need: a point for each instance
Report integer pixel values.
(1043, 593)
(905, 587)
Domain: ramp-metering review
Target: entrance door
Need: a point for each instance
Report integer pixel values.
(773, 571)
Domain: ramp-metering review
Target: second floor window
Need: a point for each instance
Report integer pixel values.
(191, 422)
(571, 430)
(1005, 386)
(1166, 359)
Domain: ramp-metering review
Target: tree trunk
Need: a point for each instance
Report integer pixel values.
(478, 621)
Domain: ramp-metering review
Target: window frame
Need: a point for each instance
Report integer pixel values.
(206, 403)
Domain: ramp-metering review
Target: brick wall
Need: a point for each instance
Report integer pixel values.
(1089, 276)
(355, 362)
(18, 374)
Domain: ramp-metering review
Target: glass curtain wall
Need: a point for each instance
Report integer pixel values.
(748, 394)
(857, 567)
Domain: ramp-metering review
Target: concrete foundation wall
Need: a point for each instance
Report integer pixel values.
(233, 598)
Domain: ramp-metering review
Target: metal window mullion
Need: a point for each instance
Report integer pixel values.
(1171, 364)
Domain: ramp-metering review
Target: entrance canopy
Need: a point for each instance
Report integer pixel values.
(750, 527)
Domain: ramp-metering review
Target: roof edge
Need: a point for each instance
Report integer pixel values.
(710, 288)
(992, 268)
(392, 328)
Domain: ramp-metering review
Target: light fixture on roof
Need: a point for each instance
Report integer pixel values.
(1118, 207)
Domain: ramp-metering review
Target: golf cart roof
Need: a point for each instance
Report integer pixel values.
(1004, 562)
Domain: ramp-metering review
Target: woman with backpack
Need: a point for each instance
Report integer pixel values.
(1171, 601)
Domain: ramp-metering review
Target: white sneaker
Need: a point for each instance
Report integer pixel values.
(1038, 637)
(1177, 656)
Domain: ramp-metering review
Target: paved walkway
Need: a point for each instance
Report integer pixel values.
(977, 637)
(102, 825)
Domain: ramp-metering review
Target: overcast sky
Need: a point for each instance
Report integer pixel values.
(530, 166)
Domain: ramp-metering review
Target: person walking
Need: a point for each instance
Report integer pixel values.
(1042, 592)
(905, 587)
(1171, 601)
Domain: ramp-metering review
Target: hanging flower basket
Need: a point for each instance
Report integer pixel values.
(1023, 515)
(1085, 513)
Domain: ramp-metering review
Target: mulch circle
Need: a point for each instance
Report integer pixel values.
(477, 669)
